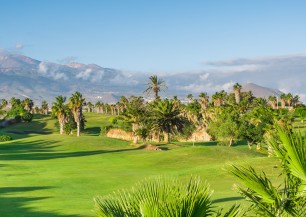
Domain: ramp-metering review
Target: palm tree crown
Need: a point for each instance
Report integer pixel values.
(155, 85)
(167, 118)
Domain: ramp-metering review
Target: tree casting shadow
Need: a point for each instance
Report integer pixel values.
(93, 131)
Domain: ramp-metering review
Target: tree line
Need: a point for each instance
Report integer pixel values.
(225, 116)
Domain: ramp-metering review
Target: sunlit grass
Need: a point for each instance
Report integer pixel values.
(53, 175)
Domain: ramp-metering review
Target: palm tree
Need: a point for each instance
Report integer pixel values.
(295, 100)
(36, 110)
(190, 97)
(76, 103)
(176, 101)
(167, 118)
(204, 100)
(98, 106)
(237, 88)
(28, 104)
(272, 100)
(3, 103)
(44, 107)
(14, 101)
(218, 98)
(289, 99)
(106, 108)
(124, 101)
(289, 199)
(89, 107)
(162, 197)
(283, 100)
(59, 110)
(134, 114)
(155, 85)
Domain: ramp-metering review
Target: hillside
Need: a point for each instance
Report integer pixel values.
(259, 91)
(22, 76)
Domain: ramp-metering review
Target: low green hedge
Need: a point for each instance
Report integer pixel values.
(4, 138)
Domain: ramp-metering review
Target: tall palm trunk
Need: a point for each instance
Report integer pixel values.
(61, 123)
(134, 128)
(78, 128)
(166, 137)
(283, 102)
(237, 96)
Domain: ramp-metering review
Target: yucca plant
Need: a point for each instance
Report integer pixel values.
(161, 197)
(287, 199)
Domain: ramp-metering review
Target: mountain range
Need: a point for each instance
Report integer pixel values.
(22, 76)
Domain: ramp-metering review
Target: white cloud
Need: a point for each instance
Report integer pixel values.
(204, 77)
(84, 74)
(287, 73)
(42, 68)
(59, 75)
(51, 71)
(19, 46)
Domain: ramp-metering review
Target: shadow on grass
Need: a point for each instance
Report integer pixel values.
(94, 131)
(227, 199)
(44, 150)
(19, 206)
(210, 143)
(213, 143)
(25, 129)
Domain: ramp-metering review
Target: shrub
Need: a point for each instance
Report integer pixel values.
(105, 129)
(27, 116)
(17, 119)
(4, 138)
(113, 121)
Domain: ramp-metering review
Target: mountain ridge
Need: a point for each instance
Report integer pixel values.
(22, 76)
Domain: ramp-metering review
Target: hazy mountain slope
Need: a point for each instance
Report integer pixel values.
(259, 91)
(22, 76)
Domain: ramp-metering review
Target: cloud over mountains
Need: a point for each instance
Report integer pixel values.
(23, 75)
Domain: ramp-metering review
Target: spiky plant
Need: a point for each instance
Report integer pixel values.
(161, 197)
(289, 199)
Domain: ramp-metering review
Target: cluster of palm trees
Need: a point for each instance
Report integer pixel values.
(285, 99)
(27, 104)
(19, 109)
(106, 108)
(227, 116)
(63, 111)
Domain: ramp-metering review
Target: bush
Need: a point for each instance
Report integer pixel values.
(27, 116)
(4, 138)
(105, 129)
(113, 121)
(17, 119)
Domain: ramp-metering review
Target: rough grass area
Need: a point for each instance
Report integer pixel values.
(45, 174)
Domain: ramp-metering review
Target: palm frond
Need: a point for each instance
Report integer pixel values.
(259, 184)
(159, 197)
(295, 148)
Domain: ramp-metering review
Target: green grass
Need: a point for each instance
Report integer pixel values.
(53, 175)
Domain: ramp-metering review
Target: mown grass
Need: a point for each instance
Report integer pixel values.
(52, 175)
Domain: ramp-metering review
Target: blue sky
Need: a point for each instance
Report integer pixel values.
(152, 36)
